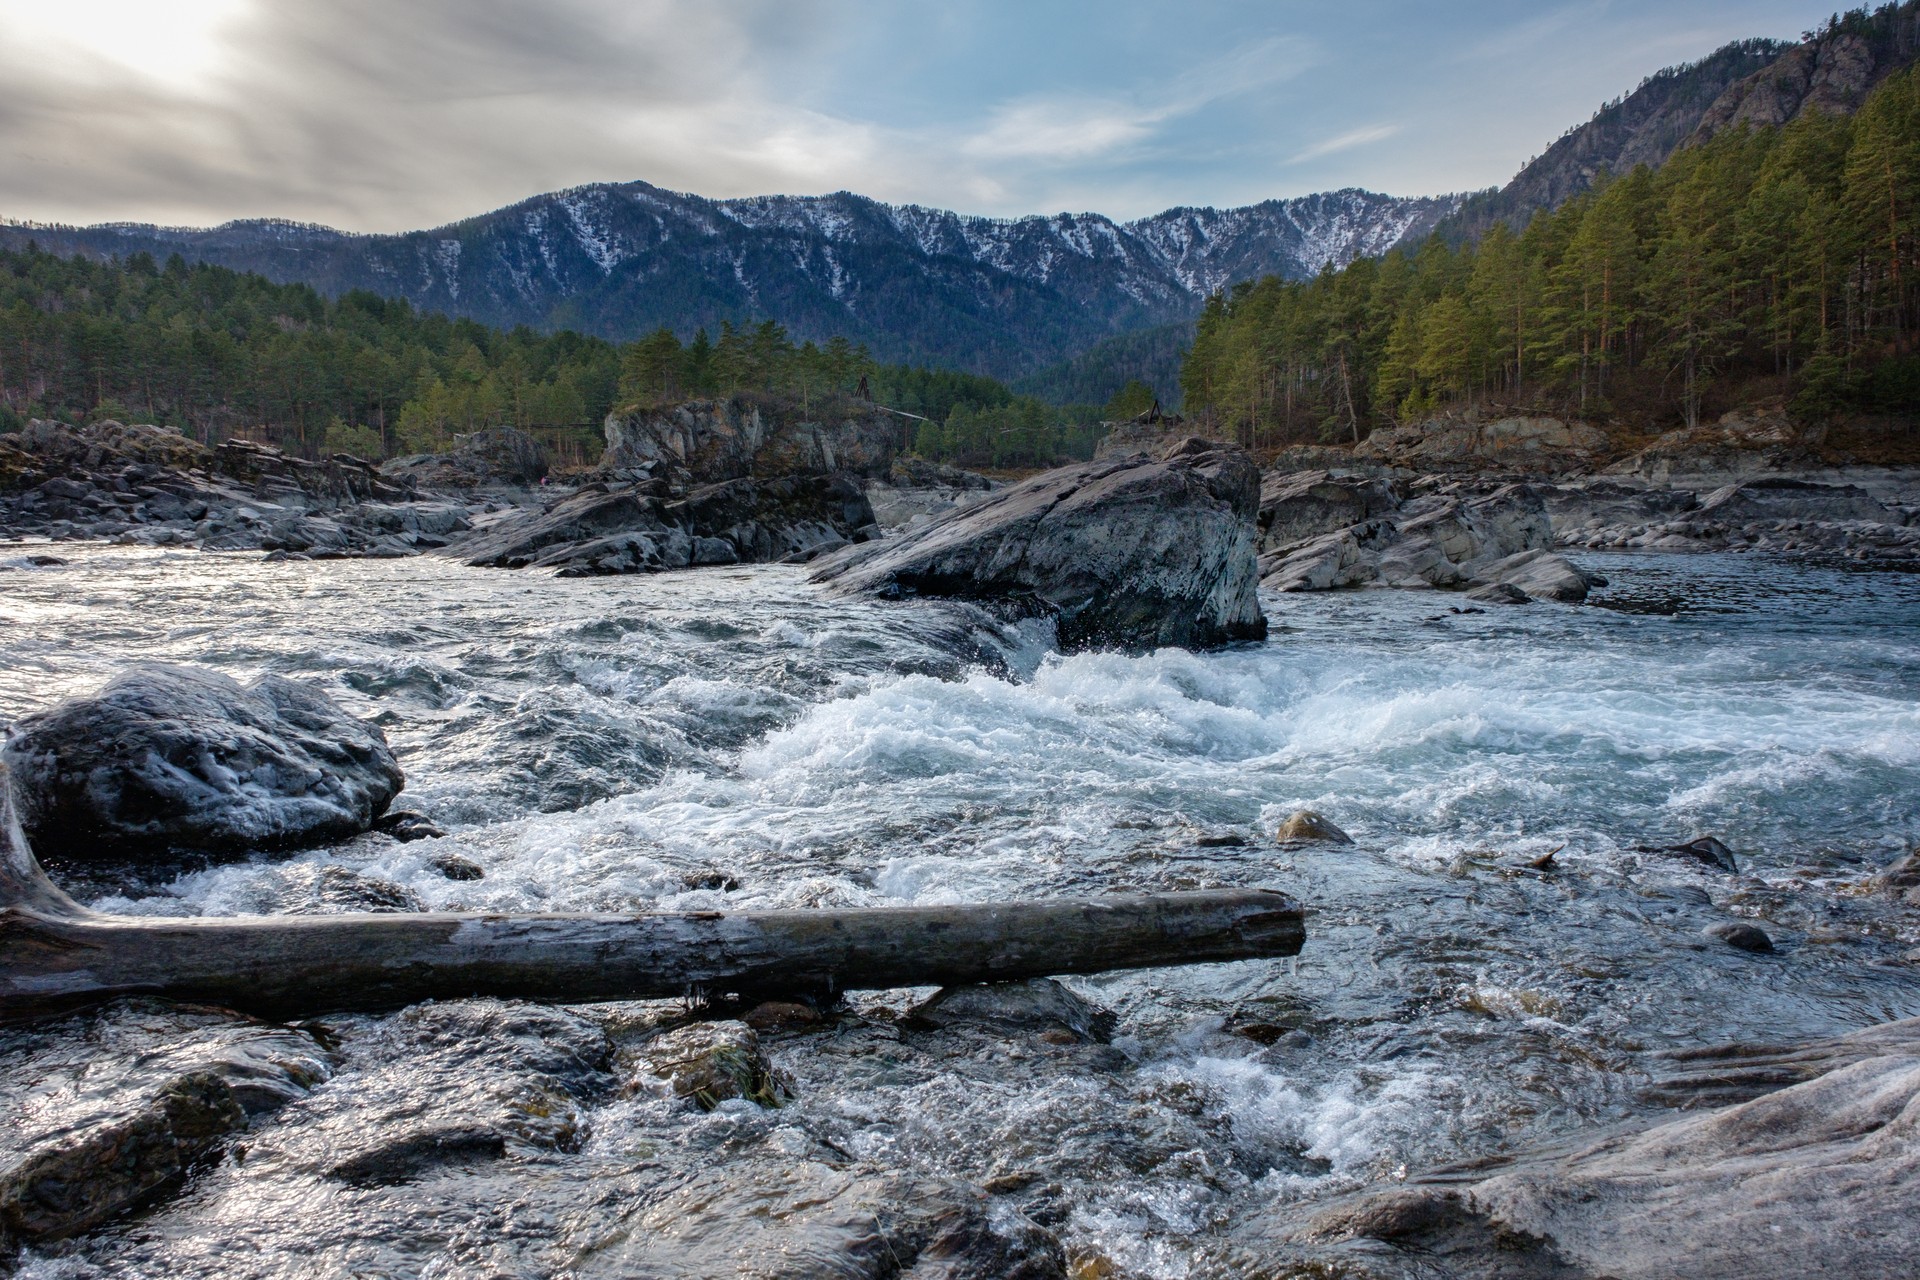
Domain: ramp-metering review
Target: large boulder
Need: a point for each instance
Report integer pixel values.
(1128, 553)
(707, 441)
(167, 757)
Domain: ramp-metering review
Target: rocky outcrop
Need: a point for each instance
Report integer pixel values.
(707, 441)
(498, 457)
(1767, 513)
(1530, 444)
(1325, 531)
(151, 486)
(1298, 506)
(1812, 1179)
(1741, 444)
(615, 529)
(1132, 553)
(167, 757)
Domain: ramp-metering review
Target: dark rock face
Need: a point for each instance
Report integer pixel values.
(707, 441)
(1130, 553)
(1300, 505)
(635, 529)
(1324, 531)
(167, 757)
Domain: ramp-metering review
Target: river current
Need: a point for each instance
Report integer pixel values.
(730, 738)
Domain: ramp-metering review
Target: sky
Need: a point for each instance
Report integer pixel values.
(389, 115)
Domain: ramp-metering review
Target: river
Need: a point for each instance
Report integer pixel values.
(730, 738)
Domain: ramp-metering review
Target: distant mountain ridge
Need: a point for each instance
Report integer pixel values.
(1000, 296)
(1749, 82)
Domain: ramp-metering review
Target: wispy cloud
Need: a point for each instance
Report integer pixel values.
(1065, 128)
(1345, 142)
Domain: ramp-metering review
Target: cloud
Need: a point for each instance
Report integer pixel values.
(1345, 142)
(1078, 128)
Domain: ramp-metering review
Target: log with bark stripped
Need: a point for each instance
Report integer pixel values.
(55, 954)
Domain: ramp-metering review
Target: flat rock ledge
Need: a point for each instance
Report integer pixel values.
(1132, 553)
(1320, 531)
(1817, 1178)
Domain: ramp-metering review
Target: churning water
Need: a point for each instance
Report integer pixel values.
(635, 743)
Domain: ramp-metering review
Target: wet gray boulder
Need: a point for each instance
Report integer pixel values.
(710, 1062)
(167, 757)
(1041, 1006)
(1131, 553)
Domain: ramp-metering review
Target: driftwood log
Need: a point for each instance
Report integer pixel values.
(56, 954)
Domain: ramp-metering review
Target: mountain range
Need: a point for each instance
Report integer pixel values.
(1067, 305)
(988, 295)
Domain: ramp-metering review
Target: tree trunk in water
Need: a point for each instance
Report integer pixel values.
(55, 954)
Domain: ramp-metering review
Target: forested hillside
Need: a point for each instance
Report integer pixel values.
(219, 353)
(1750, 82)
(1765, 259)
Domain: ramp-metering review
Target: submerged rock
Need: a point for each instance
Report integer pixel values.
(1041, 1005)
(1134, 553)
(710, 1062)
(1708, 851)
(166, 757)
(1740, 935)
(107, 1109)
(808, 1218)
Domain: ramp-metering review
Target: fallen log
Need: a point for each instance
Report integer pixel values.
(55, 954)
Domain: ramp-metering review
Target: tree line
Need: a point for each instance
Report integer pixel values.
(220, 353)
(1765, 261)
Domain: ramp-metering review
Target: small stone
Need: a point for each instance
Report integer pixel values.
(1221, 840)
(1002, 1184)
(1744, 936)
(1308, 827)
(718, 880)
(406, 826)
(455, 867)
(781, 1015)
(1902, 874)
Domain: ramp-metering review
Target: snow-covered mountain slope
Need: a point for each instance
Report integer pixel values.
(1001, 296)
